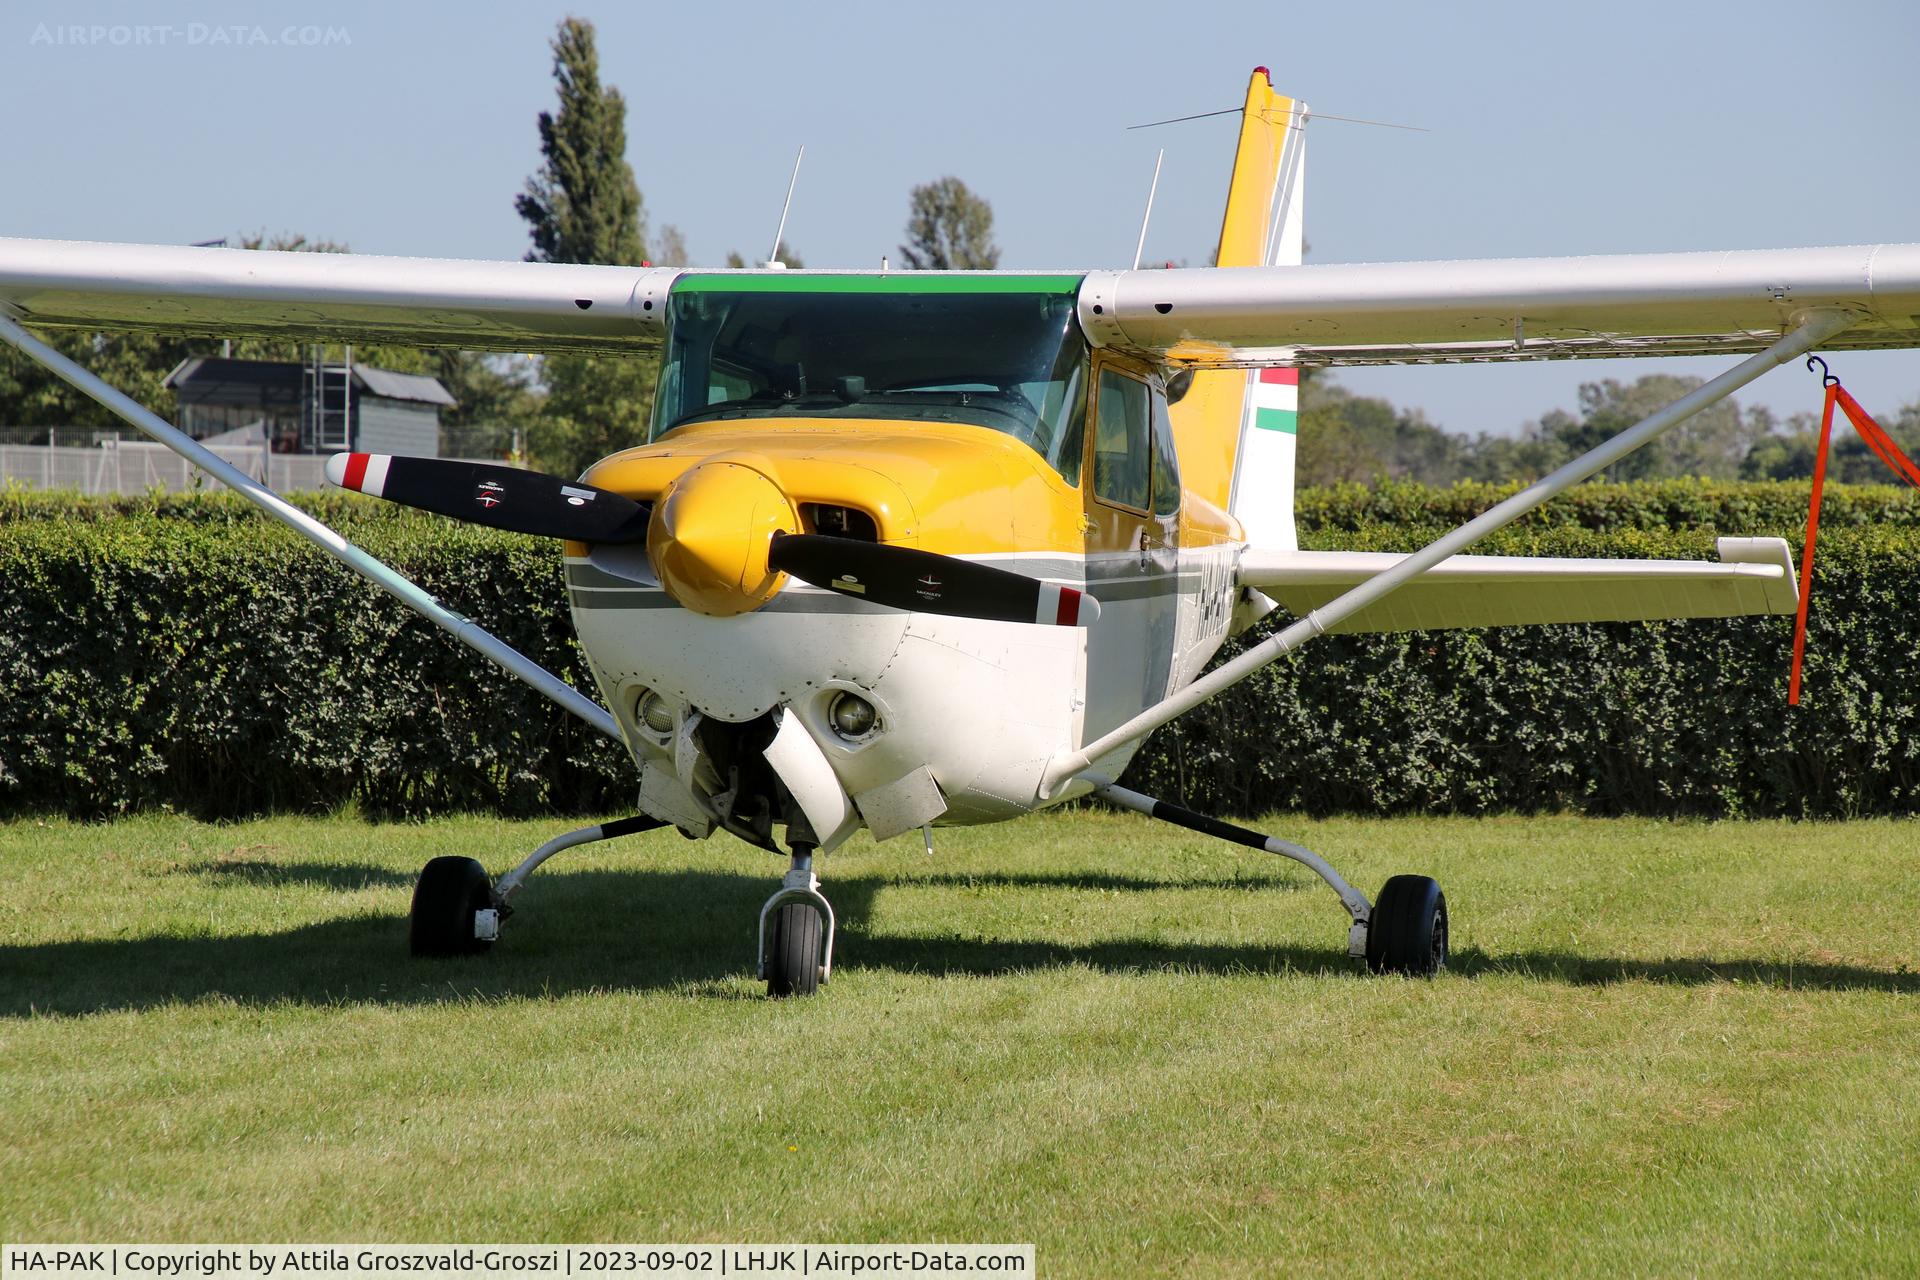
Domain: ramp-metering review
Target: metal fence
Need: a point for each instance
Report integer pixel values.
(135, 466)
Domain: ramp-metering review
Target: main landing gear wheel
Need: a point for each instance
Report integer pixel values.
(1408, 930)
(447, 899)
(793, 951)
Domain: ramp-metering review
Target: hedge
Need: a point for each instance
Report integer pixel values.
(183, 652)
(1770, 507)
(228, 668)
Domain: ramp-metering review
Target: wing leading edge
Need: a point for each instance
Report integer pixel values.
(1752, 576)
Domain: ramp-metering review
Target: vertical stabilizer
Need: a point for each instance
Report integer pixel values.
(1236, 430)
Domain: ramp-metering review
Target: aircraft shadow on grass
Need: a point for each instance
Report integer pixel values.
(341, 877)
(645, 930)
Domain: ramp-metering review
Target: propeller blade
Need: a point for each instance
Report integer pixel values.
(903, 578)
(498, 497)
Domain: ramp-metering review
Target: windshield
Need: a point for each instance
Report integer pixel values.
(1001, 352)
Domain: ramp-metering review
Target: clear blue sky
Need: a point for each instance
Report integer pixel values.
(1555, 128)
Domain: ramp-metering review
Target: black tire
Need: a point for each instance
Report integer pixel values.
(445, 899)
(1408, 931)
(793, 952)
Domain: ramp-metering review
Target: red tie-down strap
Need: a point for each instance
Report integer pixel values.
(1884, 448)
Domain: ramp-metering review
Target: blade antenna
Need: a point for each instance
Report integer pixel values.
(773, 254)
(1147, 217)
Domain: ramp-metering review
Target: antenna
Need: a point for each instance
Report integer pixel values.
(1147, 217)
(1299, 112)
(773, 254)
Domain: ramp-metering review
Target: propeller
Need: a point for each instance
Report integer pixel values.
(530, 502)
(903, 578)
(497, 497)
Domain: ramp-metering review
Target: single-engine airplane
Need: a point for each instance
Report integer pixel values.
(907, 549)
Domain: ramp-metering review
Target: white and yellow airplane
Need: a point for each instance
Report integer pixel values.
(917, 548)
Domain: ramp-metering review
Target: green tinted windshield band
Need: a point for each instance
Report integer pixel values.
(892, 282)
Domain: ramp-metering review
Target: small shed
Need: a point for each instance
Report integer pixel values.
(311, 408)
(397, 412)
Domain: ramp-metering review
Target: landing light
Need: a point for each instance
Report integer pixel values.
(852, 715)
(654, 711)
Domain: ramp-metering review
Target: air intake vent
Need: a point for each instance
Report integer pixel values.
(839, 522)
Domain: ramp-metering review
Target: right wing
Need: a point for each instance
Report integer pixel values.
(1752, 576)
(433, 302)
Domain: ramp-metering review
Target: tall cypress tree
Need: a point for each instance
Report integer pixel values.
(584, 206)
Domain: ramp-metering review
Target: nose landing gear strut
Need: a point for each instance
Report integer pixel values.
(796, 931)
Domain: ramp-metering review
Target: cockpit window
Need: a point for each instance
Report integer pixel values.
(1009, 356)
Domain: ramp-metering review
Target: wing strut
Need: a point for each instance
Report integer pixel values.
(1816, 327)
(387, 579)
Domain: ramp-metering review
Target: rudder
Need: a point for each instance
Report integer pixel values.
(1236, 431)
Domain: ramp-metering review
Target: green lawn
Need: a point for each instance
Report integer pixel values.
(1662, 1048)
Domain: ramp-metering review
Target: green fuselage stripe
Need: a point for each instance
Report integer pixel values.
(891, 282)
(1287, 420)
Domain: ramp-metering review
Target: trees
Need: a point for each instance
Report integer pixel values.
(1712, 443)
(1348, 437)
(495, 401)
(949, 229)
(584, 206)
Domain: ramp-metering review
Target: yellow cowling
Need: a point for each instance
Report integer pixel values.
(709, 534)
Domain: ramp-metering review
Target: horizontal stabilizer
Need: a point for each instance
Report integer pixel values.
(1752, 576)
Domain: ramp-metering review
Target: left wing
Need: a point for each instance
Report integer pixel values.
(1752, 576)
(1652, 304)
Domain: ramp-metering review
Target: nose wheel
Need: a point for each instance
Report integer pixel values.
(796, 932)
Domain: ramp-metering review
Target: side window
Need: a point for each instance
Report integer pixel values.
(1166, 464)
(1122, 457)
(1071, 441)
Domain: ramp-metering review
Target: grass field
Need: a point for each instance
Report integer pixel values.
(1662, 1048)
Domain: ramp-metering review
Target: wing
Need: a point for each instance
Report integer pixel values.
(1214, 317)
(1503, 309)
(500, 306)
(1752, 576)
